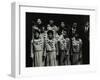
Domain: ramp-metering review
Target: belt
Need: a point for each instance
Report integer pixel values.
(51, 51)
(38, 50)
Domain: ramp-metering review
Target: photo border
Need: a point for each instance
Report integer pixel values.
(16, 53)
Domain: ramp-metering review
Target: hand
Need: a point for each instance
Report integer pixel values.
(32, 56)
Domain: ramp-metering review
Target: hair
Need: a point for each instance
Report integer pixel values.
(36, 31)
(65, 29)
(50, 31)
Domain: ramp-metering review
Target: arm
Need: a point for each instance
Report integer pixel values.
(57, 50)
(80, 48)
(68, 46)
(44, 48)
(32, 49)
(71, 47)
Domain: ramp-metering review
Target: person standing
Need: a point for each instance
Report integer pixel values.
(51, 49)
(76, 49)
(64, 48)
(37, 49)
(86, 43)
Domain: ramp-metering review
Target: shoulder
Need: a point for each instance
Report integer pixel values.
(67, 39)
(73, 38)
(60, 37)
(32, 41)
(42, 36)
(55, 40)
(46, 40)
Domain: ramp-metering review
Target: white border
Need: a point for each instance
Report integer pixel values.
(20, 69)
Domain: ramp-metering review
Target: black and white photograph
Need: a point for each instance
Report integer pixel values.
(54, 39)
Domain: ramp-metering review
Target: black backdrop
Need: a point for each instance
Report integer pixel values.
(45, 17)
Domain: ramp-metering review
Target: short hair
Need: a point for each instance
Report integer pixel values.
(50, 31)
(36, 31)
(38, 19)
(62, 22)
(65, 29)
(75, 24)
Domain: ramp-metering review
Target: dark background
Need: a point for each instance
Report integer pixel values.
(45, 17)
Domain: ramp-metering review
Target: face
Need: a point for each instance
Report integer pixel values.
(64, 33)
(57, 29)
(50, 35)
(74, 25)
(76, 36)
(51, 21)
(36, 35)
(43, 28)
(39, 21)
(73, 30)
(62, 24)
(87, 24)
